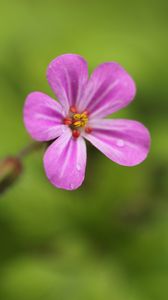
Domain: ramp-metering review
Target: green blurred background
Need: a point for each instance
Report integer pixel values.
(109, 239)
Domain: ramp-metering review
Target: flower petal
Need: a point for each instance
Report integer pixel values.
(43, 117)
(65, 161)
(109, 89)
(125, 142)
(67, 75)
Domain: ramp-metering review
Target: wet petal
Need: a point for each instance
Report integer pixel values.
(67, 76)
(125, 142)
(65, 161)
(43, 117)
(109, 89)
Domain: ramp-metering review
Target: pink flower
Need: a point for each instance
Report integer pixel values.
(83, 104)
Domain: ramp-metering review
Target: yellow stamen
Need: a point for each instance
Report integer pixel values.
(77, 123)
(80, 120)
(77, 116)
(84, 116)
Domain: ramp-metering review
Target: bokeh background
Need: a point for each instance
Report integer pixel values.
(109, 239)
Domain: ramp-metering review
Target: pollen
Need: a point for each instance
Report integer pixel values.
(80, 120)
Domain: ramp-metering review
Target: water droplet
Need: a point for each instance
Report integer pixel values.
(78, 167)
(120, 143)
(71, 186)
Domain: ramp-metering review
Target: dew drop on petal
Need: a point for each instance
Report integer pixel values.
(71, 185)
(78, 167)
(120, 143)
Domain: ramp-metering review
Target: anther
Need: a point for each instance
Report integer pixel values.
(67, 121)
(77, 123)
(73, 109)
(75, 133)
(88, 129)
(77, 116)
(85, 112)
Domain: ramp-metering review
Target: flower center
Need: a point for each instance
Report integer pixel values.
(77, 121)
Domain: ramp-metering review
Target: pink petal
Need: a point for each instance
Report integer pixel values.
(125, 142)
(43, 117)
(67, 75)
(65, 161)
(109, 89)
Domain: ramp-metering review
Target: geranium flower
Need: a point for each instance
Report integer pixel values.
(79, 115)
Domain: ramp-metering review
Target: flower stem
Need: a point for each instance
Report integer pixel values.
(34, 146)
